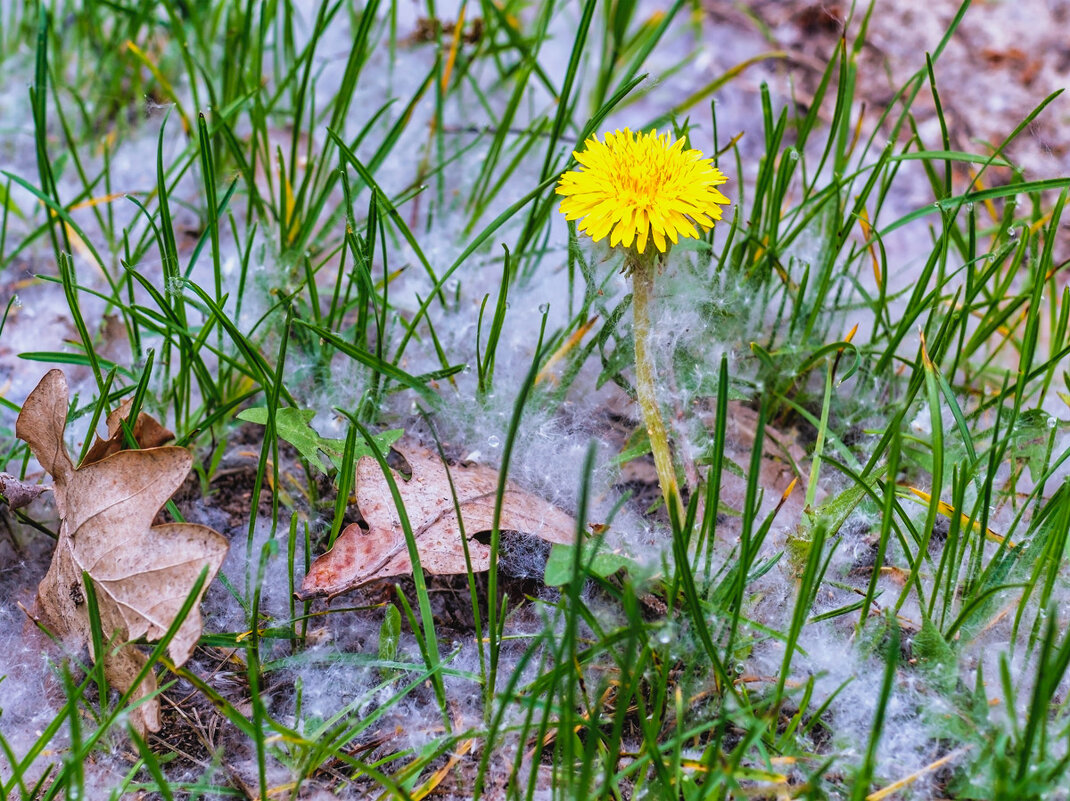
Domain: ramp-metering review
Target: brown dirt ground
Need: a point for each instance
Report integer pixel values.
(1003, 60)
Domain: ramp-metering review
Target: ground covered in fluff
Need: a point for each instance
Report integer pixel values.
(872, 427)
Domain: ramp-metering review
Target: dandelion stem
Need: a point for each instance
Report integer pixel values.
(642, 272)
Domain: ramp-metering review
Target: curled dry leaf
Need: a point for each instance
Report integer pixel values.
(148, 433)
(359, 556)
(142, 574)
(18, 493)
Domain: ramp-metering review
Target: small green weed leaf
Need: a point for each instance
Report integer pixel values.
(1030, 438)
(598, 563)
(880, 634)
(311, 726)
(935, 657)
(834, 512)
(384, 441)
(7, 203)
(294, 426)
(638, 445)
(390, 634)
(389, 637)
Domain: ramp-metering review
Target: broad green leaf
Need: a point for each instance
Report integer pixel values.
(935, 658)
(294, 426)
(598, 563)
(389, 637)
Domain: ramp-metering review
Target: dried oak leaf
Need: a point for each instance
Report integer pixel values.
(360, 556)
(142, 574)
(148, 433)
(18, 493)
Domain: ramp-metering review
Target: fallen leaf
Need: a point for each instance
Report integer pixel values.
(18, 493)
(360, 556)
(148, 433)
(142, 574)
(896, 574)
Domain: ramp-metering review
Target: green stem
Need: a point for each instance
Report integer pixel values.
(642, 270)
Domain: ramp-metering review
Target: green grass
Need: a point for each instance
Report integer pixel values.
(318, 230)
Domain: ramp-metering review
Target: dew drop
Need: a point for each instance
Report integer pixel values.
(493, 441)
(544, 308)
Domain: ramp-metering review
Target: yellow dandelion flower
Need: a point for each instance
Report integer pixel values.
(637, 186)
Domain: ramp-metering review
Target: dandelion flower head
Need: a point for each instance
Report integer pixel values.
(634, 187)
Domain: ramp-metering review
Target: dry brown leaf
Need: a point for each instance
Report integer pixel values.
(18, 493)
(142, 574)
(360, 556)
(148, 433)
